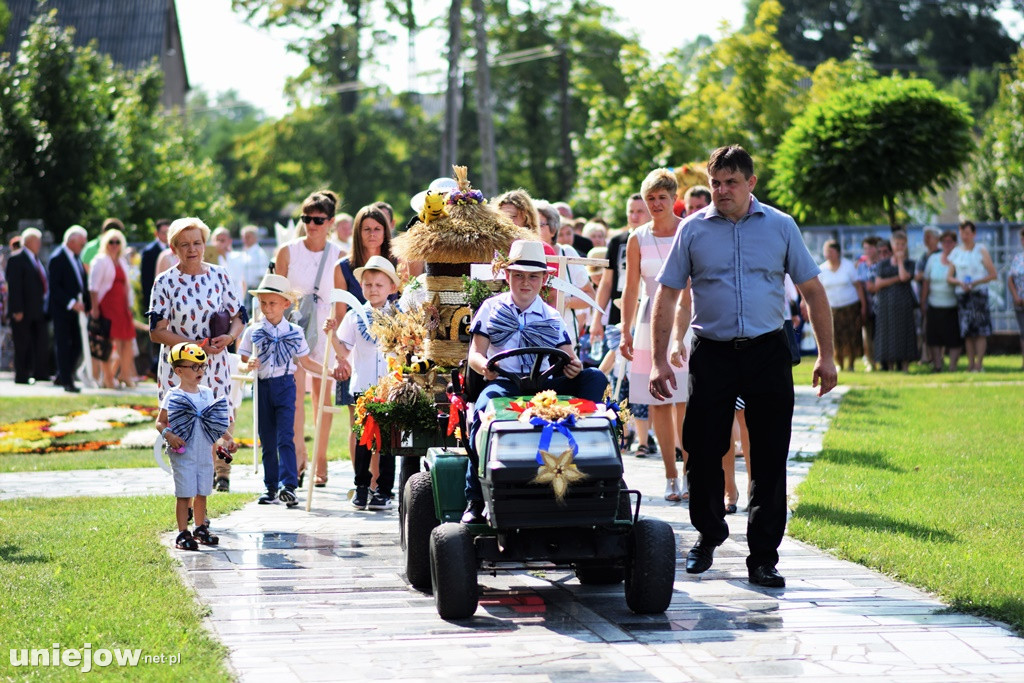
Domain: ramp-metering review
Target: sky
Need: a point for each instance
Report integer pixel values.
(222, 52)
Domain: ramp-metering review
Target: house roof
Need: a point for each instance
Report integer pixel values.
(132, 32)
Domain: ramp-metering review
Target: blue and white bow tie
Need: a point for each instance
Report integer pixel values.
(361, 324)
(505, 322)
(213, 419)
(277, 350)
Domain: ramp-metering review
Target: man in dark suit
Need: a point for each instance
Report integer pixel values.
(27, 289)
(69, 296)
(150, 255)
(147, 275)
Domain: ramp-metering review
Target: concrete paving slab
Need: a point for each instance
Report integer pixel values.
(321, 596)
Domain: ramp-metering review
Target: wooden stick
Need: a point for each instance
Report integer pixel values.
(319, 416)
(255, 414)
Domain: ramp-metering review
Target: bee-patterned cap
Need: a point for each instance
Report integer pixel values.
(188, 351)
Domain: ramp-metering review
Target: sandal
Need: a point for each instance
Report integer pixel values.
(642, 452)
(730, 508)
(184, 541)
(203, 535)
(672, 493)
(321, 481)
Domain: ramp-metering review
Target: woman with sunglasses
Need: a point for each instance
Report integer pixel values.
(300, 261)
(112, 299)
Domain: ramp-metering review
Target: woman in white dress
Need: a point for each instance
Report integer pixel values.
(300, 261)
(646, 251)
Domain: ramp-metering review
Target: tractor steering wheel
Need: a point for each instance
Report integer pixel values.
(530, 383)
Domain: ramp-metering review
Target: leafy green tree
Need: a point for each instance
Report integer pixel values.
(743, 89)
(84, 139)
(993, 188)
(5, 17)
(390, 139)
(869, 147)
(948, 37)
(627, 137)
(554, 56)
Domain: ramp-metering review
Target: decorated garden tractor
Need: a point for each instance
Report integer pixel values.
(550, 466)
(552, 478)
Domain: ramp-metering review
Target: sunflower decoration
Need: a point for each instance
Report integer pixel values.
(559, 471)
(546, 406)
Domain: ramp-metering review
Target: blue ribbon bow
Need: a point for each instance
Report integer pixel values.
(277, 351)
(506, 322)
(361, 324)
(562, 426)
(213, 419)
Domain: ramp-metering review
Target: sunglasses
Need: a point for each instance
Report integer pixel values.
(114, 242)
(319, 220)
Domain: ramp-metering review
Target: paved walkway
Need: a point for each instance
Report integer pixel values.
(320, 596)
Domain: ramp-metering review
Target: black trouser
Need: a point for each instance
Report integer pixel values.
(31, 349)
(762, 374)
(386, 474)
(67, 344)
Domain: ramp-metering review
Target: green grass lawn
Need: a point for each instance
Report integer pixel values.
(16, 409)
(920, 477)
(93, 570)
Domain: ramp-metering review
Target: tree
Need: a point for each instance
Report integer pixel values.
(869, 147)
(553, 56)
(83, 139)
(948, 37)
(392, 141)
(5, 17)
(993, 189)
(743, 89)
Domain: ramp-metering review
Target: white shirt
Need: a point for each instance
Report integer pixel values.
(527, 329)
(576, 275)
(273, 364)
(234, 263)
(255, 262)
(839, 285)
(368, 361)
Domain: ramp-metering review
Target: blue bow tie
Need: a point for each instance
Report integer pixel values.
(279, 350)
(213, 419)
(506, 322)
(361, 326)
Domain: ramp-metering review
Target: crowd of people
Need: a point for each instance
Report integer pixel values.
(661, 332)
(893, 310)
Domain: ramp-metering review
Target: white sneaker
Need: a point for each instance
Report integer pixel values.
(672, 492)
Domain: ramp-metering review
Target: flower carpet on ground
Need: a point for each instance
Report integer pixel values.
(50, 435)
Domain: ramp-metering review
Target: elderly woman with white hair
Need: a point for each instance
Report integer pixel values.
(195, 302)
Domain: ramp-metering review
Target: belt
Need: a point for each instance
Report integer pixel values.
(740, 342)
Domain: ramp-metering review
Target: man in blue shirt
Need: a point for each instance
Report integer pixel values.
(737, 252)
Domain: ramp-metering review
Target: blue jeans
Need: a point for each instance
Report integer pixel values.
(277, 431)
(589, 384)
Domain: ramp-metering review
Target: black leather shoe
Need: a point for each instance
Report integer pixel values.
(767, 576)
(700, 557)
(222, 484)
(71, 389)
(474, 513)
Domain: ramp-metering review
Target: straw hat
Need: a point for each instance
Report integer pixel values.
(276, 284)
(379, 263)
(528, 256)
